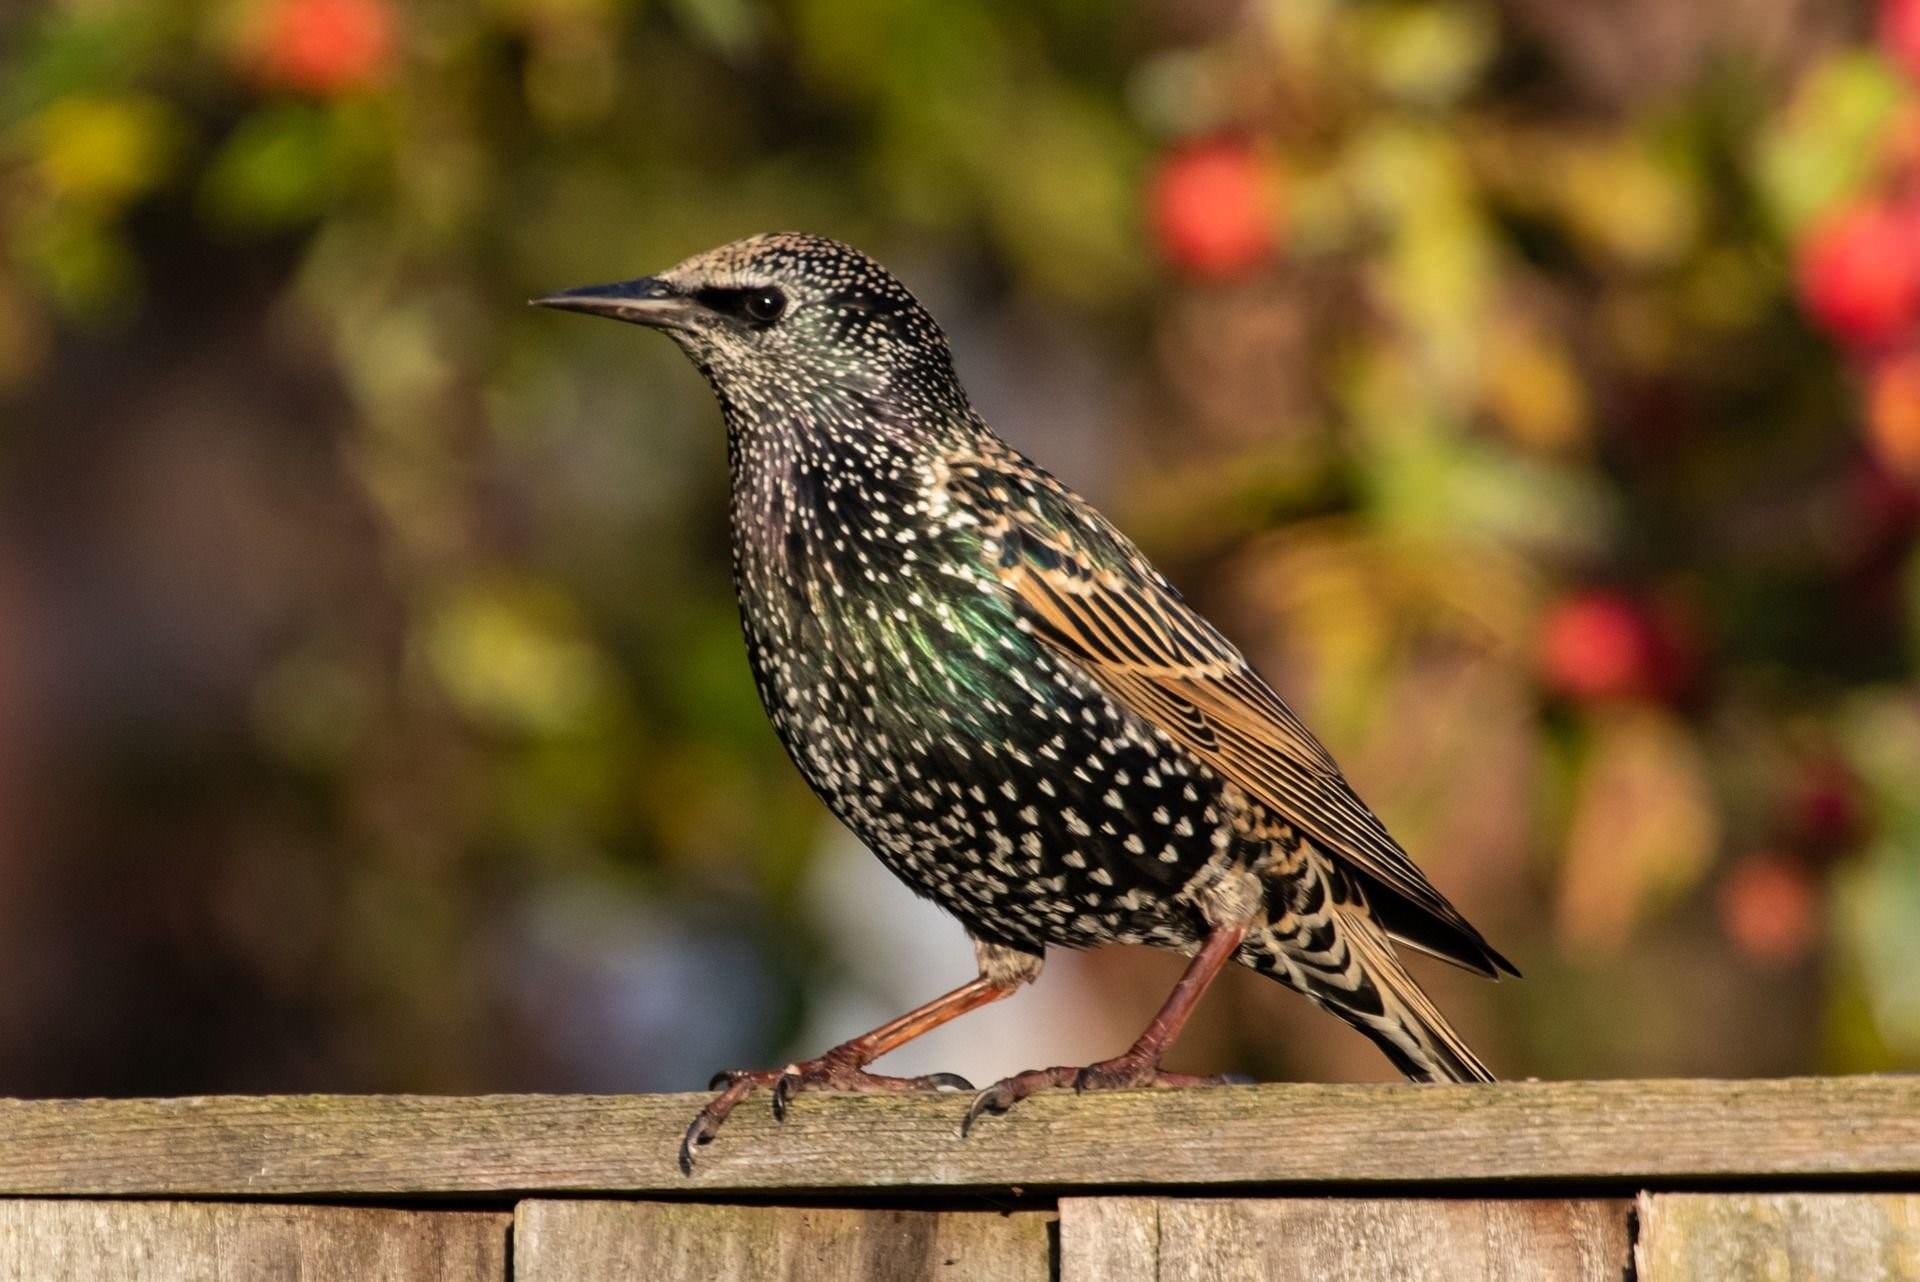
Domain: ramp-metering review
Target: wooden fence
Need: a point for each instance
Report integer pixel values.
(1650, 1181)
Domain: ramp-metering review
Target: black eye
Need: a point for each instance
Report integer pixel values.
(759, 306)
(762, 306)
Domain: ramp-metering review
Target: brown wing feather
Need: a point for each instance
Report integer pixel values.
(1133, 634)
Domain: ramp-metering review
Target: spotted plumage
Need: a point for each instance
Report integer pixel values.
(998, 693)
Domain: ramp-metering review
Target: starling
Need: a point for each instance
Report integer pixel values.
(993, 688)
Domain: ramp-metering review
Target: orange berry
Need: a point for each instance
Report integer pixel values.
(1770, 908)
(1893, 413)
(325, 47)
(1214, 209)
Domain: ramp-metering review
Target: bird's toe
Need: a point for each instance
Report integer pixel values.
(1008, 1091)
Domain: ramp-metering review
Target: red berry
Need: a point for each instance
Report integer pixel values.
(325, 47)
(1214, 208)
(1825, 811)
(1770, 908)
(1900, 33)
(1859, 274)
(1599, 645)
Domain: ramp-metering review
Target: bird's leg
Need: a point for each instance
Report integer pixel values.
(1139, 1064)
(844, 1067)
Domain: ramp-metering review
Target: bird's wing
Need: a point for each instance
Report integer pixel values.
(1091, 596)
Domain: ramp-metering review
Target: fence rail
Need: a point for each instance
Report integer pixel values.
(1795, 1178)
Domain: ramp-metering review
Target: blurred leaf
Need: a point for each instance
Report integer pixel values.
(104, 151)
(1729, 288)
(1628, 200)
(276, 170)
(1182, 93)
(1427, 53)
(1342, 595)
(513, 654)
(1824, 146)
(1532, 386)
(80, 261)
(730, 27)
(1644, 826)
(1424, 475)
(59, 51)
(1437, 272)
(1063, 202)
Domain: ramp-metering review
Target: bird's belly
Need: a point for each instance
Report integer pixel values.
(1069, 823)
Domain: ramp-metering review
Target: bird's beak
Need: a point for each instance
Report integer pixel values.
(646, 301)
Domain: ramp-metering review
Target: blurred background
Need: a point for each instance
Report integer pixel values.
(1531, 386)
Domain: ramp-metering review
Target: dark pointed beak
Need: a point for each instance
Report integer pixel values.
(646, 301)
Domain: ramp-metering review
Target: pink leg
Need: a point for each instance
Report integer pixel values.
(1139, 1064)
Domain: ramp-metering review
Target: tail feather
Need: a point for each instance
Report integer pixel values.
(1343, 959)
(1409, 1028)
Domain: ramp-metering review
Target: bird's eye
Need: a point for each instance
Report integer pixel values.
(759, 306)
(763, 306)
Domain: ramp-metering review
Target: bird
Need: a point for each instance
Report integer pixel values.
(999, 694)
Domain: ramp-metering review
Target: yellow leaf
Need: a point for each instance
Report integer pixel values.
(1529, 383)
(104, 150)
(1644, 826)
(513, 654)
(1627, 203)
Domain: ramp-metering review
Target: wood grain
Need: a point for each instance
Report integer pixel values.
(556, 1241)
(1110, 1239)
(1613, 1135)
(182, 1241)
(1786, 1237)
(1342, 1240)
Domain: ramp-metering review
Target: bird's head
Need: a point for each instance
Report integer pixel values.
(787, 318)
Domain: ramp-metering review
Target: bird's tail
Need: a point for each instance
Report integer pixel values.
(1358, 978)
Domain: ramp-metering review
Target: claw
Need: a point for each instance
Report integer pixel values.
(686, 1151)
(706, 1123)
(699, 1132)
(782, 1093)
(1122, 1072)
(840, 1072)
(1008, 1091)
(722, 1079)
(987, 1101)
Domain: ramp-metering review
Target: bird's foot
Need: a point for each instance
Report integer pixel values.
(1127, 1071)
(831, 1072)
(1008, 1091)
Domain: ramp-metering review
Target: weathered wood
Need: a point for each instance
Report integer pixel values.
(694, 1242)
(1342, 1240)
(1110, 1239)
(183, 1241)
(1615, 1135)
(1787, 1237)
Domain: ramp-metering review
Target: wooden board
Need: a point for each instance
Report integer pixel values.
(1613, 1135)
(701, 1242)
(193, 1242)
(1786, 1237)
(1342, 1240)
